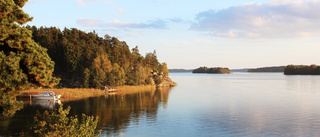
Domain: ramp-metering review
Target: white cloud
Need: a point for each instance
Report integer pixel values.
(81, 3)
(119, 10)
(156, 24)
(109, 3)
(279, 18)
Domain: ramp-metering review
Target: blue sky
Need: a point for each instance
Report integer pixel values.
(190, 34)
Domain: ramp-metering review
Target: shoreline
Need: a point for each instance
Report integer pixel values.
(69, 94)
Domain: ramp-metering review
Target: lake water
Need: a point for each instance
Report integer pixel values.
(238, 104)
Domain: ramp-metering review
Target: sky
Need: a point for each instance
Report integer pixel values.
(189, 34)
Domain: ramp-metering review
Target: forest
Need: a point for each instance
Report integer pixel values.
(302, 70)
(215, 70)
(85, 60)
(268, 69)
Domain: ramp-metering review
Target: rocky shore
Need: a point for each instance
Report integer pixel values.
(166, 82)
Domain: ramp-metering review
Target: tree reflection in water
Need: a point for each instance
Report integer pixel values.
(117, 111)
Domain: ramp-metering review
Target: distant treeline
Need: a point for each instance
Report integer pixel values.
(302, 70)
(268, 69)
(179, 70)
(87, 60)
(216, 70)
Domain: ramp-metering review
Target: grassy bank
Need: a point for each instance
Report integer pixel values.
(68, 94)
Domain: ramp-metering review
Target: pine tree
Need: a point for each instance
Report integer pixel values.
(22, 61)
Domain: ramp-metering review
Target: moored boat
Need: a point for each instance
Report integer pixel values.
(112, 90)
(48, 95)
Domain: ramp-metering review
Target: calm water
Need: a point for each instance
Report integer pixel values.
(239, 104)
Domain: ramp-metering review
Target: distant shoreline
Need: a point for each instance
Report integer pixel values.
(261, 69)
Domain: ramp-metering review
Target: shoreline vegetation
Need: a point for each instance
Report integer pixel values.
(70, 94)
(86, 60)
(302, 70)
(215, 70)
(287, 70)
(268, 69)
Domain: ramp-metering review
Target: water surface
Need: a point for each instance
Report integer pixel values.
(238, 104)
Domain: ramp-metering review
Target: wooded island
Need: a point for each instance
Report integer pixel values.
(302, 70)
(215, 70)
(268, 69)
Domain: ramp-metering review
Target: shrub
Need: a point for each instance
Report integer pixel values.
(59, 124)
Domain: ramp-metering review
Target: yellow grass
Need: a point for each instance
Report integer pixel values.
(132, 89)
(69, 94)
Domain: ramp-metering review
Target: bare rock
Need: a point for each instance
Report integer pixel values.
(166, 82)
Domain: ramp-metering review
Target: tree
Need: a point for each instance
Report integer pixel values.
(117, 76)
(164, 69)
(86, 78)
(101, 66)
(22, 61)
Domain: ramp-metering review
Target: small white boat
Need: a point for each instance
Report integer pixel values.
(112, 90)
(48, 95)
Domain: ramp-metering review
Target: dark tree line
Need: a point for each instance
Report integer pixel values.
(217, 70)
(268, 69)
(87, 60)
(302, 70)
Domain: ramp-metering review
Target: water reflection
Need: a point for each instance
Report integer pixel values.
(46, 104)
(118, 111)
(240, 104)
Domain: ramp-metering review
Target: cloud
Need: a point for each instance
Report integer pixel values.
(119, 10)
(80, 3)
(176, 19)
(155, 24)
(278, 18)
(108, 3)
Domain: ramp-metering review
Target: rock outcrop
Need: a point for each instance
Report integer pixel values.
(160, 79)
(166, 82)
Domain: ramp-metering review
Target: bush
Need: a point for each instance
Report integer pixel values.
(59, 124)
(157, 79)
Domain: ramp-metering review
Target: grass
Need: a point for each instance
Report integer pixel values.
(69, 94)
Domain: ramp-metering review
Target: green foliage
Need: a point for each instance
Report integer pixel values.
(216, 70)
(9, 106)
(58, 124)
(86, 78)
(157, 79)
(87, 60)
(101, 67)
(22, 60)
(117, 76)
(164, 69)
(302, 70)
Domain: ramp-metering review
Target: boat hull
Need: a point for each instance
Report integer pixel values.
(42, 97)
